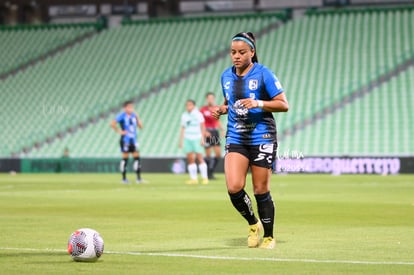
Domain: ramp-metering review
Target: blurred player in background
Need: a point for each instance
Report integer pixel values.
(192, 140)
(214, 131)
(252, 93)
(128, 121)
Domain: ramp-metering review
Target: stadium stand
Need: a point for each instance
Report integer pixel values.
(97, 75)
(323, 59)
(377, 124)
(22, 44)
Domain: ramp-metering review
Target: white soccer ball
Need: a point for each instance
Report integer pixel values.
(85, 245)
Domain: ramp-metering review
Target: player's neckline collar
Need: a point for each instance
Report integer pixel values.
(249, 72)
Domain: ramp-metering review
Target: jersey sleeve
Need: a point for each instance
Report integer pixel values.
(119, 117)
(272, 83)
(201, 117)
(183, 121)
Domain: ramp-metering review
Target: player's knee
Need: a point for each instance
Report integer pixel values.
(261, 188)
(234, 187)
(200, 159)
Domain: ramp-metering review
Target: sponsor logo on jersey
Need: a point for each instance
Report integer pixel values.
(253, 84)
(242, 127)
(226, 85)
(240, 109)
(267, 136)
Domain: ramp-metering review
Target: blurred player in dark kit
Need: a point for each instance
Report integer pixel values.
(214, 132)
(128, 121)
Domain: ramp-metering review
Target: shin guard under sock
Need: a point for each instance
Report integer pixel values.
(266, 209)
(241, 201)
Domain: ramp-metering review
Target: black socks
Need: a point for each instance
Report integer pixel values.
(136, 165)
(211, 164)
(266, 210)
(241, 201)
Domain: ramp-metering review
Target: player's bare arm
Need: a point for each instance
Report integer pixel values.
(180, 143)
(139, 122)
(222, 110)
(221, 128)
(277, 104)
(203, 132)
(116, 129)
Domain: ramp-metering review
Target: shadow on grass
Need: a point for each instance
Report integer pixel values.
(32, 257)
(229, 244)
(21, 254)
(236, 243)
(242, 242)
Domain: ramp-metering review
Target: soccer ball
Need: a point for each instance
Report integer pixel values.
(85, 245)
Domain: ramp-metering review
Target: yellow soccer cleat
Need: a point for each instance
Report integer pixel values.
(192, 182)
(205, 181)
(254, 235)
(268, 243)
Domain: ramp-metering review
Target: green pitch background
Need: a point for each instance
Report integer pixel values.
(325, 225)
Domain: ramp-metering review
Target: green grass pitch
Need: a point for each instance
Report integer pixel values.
(325, 225)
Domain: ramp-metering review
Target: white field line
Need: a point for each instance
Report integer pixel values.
(229, 258)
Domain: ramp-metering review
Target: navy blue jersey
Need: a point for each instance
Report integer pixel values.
(128, 123)
(254, 126)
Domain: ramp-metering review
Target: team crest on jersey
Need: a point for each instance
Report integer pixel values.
(253, 84)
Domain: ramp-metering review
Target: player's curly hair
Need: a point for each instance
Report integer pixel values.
(249, 38)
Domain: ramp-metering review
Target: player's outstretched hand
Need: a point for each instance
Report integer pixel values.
(249, 103)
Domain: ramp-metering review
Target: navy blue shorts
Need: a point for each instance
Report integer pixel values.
(262, 155)
(128, 147)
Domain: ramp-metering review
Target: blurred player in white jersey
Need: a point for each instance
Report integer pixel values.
(192, 140)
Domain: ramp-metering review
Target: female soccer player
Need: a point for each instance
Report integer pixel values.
(192, 135)
(128, 121)
(252, 92)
